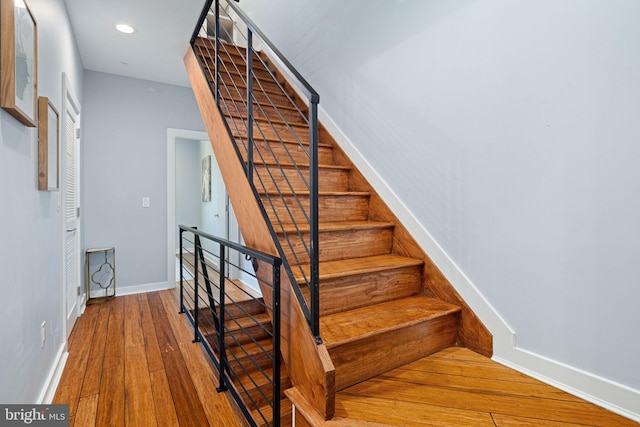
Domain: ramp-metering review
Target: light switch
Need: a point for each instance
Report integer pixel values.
(145, 202)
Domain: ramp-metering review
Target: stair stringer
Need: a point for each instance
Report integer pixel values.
(309, 364)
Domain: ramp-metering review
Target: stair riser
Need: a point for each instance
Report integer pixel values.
(288, 179)
(331, 208)
(263, 111)
(363, 359)
(347, 293)
(268, 152)
(336, 245)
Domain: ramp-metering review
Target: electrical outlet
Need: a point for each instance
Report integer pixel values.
(145, 202)
(43, 333)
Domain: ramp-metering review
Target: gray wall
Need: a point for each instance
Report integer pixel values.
(510, 131)
(188, 191)
(125, 159)
(31, 232)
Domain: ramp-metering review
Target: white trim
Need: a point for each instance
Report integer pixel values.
(616, 397)
(53, 379)
(149, 287)
(172, 134)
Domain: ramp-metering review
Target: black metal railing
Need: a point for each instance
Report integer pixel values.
(239, 328)
(275, 134)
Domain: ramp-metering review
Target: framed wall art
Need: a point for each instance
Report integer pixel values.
(206, 179)
(48, 145)
(18, 61)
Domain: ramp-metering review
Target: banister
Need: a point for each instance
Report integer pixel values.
(285, 65)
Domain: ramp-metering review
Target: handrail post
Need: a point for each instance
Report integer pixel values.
(217, 60)
(276, 342)
(313, 219)
(181, 274)
(222, 386)
(250, 105)
(196, 285)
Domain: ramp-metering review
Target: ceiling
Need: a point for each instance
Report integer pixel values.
(154, 52)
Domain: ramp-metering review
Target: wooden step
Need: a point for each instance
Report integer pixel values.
(275, 129)
(257, 328)
(280, 113)
(232, 83)
(251, 355)
(238, 66)
(332, 206)
(357, 282)
(287, 177)
(279, 99)
(269, 151)
(338, 240)
(371, 340)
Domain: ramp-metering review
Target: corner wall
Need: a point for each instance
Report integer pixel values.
(505, 134)
(125, 149)
(31, 231)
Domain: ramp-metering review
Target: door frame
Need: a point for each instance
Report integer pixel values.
(232, 227)
(70, 102)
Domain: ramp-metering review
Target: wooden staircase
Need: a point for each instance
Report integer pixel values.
(383, 303)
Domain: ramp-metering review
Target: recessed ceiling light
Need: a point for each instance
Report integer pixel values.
(124, 28)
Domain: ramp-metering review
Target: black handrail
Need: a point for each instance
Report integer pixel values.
(226, 94)
(229, 323)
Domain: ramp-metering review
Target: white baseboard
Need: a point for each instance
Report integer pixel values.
(53, 379)
(616, 397)
(140, 289)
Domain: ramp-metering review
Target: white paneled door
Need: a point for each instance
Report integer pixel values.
(71, 214)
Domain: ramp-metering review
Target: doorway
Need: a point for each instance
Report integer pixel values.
(187, 151)
(70, 120)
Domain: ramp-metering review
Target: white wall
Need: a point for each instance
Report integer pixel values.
(125, 128)
(509, 130)
(31, 232)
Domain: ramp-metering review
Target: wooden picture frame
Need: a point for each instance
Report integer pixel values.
(48, 145)
(18, 61)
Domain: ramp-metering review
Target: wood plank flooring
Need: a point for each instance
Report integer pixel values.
(132, 363)
(457, 387)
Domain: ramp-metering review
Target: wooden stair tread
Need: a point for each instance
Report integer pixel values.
(302, 166)
(266, 104)
(303, 126)
(341, 328)
(320, 193)
(354, 266)
(338, 226)
(245, 322)
(281, 140)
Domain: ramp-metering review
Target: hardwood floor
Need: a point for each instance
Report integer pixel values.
(132, 363)
(457, 387)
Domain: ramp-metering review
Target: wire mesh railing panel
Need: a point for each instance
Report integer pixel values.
(237, 324)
